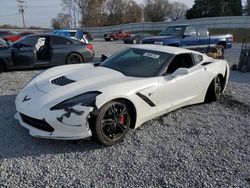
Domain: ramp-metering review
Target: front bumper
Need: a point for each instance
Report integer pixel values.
(61, 131)
(41, 121)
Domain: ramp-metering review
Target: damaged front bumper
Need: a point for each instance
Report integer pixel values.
(68, 124)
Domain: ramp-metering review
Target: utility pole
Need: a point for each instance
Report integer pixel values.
(21, 8)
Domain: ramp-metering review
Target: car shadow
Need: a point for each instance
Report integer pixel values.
(16, 142)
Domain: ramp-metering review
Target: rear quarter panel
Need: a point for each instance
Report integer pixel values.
(217, 67)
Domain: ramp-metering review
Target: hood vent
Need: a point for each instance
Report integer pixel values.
(62, 81)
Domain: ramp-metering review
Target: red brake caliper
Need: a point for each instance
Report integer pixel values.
(121, 119)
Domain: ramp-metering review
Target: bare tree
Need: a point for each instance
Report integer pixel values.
(246, 8)
(156, 10)
(71, 7)
(132, 13)
(177, 11)
(61, 21)
(115, 9)
(123, 11)
(91, 11)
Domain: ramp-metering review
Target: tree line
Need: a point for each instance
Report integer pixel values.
(98, 13)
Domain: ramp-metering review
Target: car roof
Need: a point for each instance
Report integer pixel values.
(166, 49)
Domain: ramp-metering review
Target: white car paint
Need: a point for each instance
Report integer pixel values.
(167, 93)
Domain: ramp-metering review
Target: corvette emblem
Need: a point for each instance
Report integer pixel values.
(25, 99)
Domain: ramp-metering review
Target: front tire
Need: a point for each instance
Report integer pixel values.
(112, 123)
(74, 58)
(214, 91)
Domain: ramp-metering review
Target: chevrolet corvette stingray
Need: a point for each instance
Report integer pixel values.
(104, 100)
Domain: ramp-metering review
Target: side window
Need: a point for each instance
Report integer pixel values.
(29, 41)
(197, 58)
(191, 30)
(202, 31)
(180, 61)
(60, 41)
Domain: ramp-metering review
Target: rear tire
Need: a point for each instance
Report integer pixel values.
(111, 124)
(214, 91)
(74, 58)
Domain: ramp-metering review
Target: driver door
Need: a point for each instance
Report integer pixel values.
(190, 39)
(177, 90)
(23, 54)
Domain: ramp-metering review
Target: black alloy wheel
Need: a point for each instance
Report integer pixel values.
(112, 123)
(74, 58)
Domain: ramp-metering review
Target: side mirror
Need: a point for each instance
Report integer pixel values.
(180, 72)
(103, 57)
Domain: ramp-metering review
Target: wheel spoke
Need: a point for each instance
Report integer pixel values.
(122, 127)
(106, 122)
(113, 110)
(123, 111)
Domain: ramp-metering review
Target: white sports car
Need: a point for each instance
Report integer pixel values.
(104, 100)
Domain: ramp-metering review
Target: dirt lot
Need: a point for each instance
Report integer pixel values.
(206, 145)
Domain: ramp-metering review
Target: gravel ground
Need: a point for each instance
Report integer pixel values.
(205, 145)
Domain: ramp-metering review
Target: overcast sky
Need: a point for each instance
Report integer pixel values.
(40, 12)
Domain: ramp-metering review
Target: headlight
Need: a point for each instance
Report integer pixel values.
(158, 42)
(85, 99)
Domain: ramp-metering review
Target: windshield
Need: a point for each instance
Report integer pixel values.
(137, 62)
(173, 31)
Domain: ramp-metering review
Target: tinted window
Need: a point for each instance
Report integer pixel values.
(197, 58)
(60, 41)
(202, 31)
(174, 31)
(28, 41)
(137, 62)
(180, 61)
(72, 33)
(191, 30)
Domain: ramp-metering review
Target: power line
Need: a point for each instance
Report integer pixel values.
(6, 15)
(21, 8)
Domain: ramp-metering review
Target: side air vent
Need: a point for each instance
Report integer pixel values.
(62, 81)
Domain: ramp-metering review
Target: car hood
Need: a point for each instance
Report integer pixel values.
(78, 79)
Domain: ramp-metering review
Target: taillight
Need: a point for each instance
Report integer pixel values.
(90, 47)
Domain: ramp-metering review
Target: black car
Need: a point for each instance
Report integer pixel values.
(136, 38)
(45, 50)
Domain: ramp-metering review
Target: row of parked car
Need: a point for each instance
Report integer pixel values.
(28, 50)
(195, 37)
